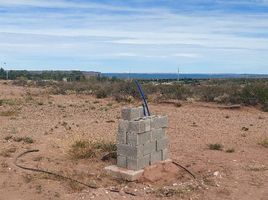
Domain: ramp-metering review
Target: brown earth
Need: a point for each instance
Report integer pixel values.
(55, 122)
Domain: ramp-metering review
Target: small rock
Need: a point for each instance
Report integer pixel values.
(216, 173)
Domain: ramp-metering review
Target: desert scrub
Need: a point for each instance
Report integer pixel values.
(8, 113)
(9, 102)
(27, 140)
(230, 150)
(7, 152)
(264, 143)
(215, 146)
(83, 149)
(254, 94)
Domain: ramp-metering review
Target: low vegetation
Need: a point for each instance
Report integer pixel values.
(249, 92)
(8, 152)
(264, 143)
(215, 146)
(83, 149)
(230, 150)
(8, 113)
(10, 102)
(25, 139)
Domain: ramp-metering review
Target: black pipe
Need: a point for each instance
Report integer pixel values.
(147, 112)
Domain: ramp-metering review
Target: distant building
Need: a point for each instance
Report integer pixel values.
(91, 74)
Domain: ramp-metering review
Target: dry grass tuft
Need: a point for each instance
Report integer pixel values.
(230, 150)
(8, 152)
(83, 149)
(215, 146)
(8, 113)
(28, 140)
(264, 142)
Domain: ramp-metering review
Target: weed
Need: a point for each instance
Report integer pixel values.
(38, 189)
(181, 192)
(40, 103)
(61, 106)
(9, 137)
(167, 192)
(105, 146)
(245, 129)
(83, 149)
(28, 97)
(4, 164)
(9, 102)
(7, 152)
(264, 143)
(13, 130)
(27, 178)
(28, 140)
(101, 93)
(109, 104)
(8, 113)
(215, 146)
(243, 135)
(178, 104)
(230, 150)
(104, 109)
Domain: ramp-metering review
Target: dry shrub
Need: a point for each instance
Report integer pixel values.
(83, 149)
(8, 113)
(215, 146)
(264, 142)
(256, 94)
(226, 91)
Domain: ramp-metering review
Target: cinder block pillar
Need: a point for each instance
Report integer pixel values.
(141, 141)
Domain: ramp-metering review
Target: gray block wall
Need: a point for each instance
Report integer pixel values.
(141, 141)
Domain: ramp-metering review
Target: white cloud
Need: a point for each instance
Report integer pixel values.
(187, 55)
(151, 34)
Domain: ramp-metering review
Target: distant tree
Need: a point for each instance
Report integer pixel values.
(2, 73)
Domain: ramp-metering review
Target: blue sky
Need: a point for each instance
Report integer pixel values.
(199, 36)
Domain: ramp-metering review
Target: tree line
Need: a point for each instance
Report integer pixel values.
(41, 75)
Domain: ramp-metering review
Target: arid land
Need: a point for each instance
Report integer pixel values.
(224, 148)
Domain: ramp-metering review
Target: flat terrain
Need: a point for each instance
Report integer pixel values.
(32, 118)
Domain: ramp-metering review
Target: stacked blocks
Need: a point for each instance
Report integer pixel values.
(141, 141)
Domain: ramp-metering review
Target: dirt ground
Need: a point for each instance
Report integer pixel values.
(32, 118)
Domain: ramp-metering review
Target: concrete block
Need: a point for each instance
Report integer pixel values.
(137, 164)
(159, 122)
(121, 138)
(161, 144)
(149, 148)
(164, 154)
(129, 151)
(140, 126)
(134, 139)
(155, 157)
(121, 173)
(132, 113)
(158, 134)
(123, 125)
(121, 161)
(122, 131)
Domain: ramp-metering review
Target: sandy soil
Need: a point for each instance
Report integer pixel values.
(54, 122)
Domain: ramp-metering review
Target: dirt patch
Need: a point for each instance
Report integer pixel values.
(161, 173)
